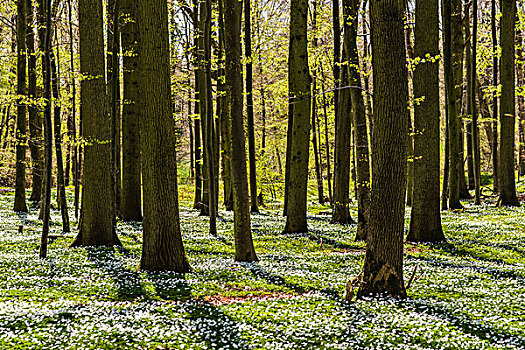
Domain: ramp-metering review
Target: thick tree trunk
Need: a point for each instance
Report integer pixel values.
(507, 160)
(383, 266)
(21, 117)
(425, 221)
(97, 218)
(244, 249)
(130, 208)
(162, 249)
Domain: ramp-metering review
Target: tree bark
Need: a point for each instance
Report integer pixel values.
(507, 160)
(35, 118)
(244, 249)
(249, 106)
(300, 98)
(351, 10)
(162, 248)
(383, 266)
(131, 206)
(453, 121)
(21, 111)
(425, 220)
(495, 109)
(97, 217)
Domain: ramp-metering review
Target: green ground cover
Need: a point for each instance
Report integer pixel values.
(468, 293)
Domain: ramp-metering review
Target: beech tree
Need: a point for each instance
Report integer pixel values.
(97, 216)
(425, 221)
(162, 248)
(507, 111)
(244, 248)
(383, 266)
(300, 94)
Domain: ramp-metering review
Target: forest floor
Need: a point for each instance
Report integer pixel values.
(467, 294)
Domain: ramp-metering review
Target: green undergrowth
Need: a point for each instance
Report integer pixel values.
(468, 293)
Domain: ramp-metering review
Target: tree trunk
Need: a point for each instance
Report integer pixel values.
(383, 266)
(521, 102)
(473, 95)
(507, 161)
(468, 68)
(45, 8)
(425, 220)
(249, 105)
(495, 109)
(224, 118)
(300, 98)
(21, 117)
(197, 54)
(162, 248)
(97, 218)
(351, 10)
(61, 189)
(130, 208)
(35, 118)
(244, 249)
(453, 120)
(342, 154)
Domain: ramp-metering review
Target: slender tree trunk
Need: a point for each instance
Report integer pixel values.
(468, 68)
(316, 144)
(48, 150)
(507, 160)
(495, 109)
(473, 95)
(162, 249)
(97, 218)
(521, 101)
(342, 154)
(453, 120)
(327, 142)
(35, 118)
(210, 124)
(198, 91)
(244, 249)
(21, 113)
(224, 118)
(425, 221)
(351, 10)
(410, 175)
(61, 189)
(249, 105)
(383, 266)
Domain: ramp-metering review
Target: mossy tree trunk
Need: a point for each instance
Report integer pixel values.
(383, 266)
(507, 113)
(244, 249)
(425, 221)
(162, 248)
